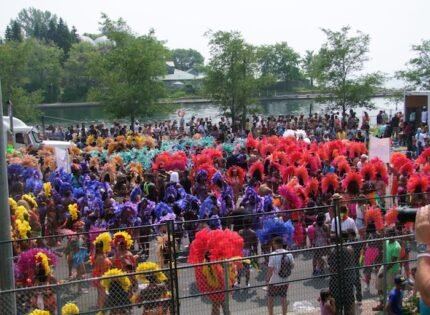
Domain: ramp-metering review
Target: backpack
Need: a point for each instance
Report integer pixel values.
(285, 270)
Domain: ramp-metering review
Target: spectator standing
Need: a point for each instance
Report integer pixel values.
(276, 284)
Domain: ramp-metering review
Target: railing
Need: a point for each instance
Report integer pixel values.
(346, 267)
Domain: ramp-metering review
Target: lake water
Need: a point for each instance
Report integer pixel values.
(91, 114)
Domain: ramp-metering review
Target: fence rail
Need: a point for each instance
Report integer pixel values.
(347, 267)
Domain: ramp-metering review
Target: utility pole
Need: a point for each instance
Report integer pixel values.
(7, 279)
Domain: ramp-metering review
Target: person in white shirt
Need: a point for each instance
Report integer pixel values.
(346, 223)
(276, 283)
(363, 160)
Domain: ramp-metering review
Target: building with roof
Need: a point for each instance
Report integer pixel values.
(178, 79)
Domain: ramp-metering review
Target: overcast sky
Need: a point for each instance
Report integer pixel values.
(392, 25)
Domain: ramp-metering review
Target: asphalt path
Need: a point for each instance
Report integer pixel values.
(302, 295)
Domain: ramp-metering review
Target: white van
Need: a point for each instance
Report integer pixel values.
(29, 135)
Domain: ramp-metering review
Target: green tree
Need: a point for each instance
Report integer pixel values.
(417, 74)
(186, 59)
(35, 22)
(44, 71)
(338, 67)
(231, 78)
(45, 26)
(14, 63)
(308, 66)
(280, 61)
(14, 32)
(77, 77)
(128, 74)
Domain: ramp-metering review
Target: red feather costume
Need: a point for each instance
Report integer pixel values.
(330, 180)
(374, 214)
(417, 184)
(213, 246)
(368, 172)
(256, 167)
(391, 216)
(352, 183)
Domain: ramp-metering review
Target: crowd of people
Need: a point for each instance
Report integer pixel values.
(200, 181)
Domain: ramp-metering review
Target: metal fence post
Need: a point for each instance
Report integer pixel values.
(171, 277)
(175, 271)
(384, 253)
(58, 298)
(226, 307)
(7, 277)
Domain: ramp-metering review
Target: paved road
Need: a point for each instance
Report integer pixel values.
(245, 301)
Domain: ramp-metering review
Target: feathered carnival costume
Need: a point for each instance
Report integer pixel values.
(150, 268)
(276, 227)
(352, 183)
(70, 309)
(215, 246)
(25, 268)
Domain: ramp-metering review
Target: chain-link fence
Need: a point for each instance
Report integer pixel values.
(346, 261)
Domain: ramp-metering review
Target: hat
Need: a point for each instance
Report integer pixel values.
(400, 280)
(364, 156)
(174, 177)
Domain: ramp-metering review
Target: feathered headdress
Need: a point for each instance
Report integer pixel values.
(161, 209)
(21, 213)
(23, 228)
(39, 312)
(352, 183)
(407, 168)
(391, 216)
(73, 211)
(217, 177)
(124, 236)
(266, 149)
(302, 174)
(12, 205)
(240, 174)
(417, 184)
(47, 188)
(256, 170)
(150, 268)
(368, 172)
(312, 187)
(216, 245)
(30, 200)
(290, 197)
(251, 142)
(124, 281)
(276, 227)
(70, 309)
(374, 214)
(398, 160)
(356, 149)
(330, 181)
(28, 260)
(106, 239)
(380, 169)
(422, 158)
(136, 168)
(135, 193)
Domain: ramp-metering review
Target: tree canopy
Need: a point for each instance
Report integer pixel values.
(231, 79)
(186, 59)
(338, 67)
(417, 74)
(42, 25)
(280, 61)
(128, 75)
